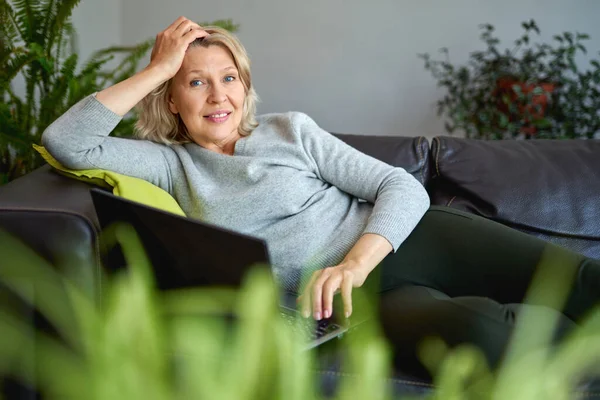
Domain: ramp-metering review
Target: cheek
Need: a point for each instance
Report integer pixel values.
(240, 96)
(191, 105)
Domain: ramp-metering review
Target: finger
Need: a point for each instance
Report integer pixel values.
(175, 24)
(305, 299)
(154, 48)
(194, 34)
(329, 289)
(347, 293)
(317, 293)
(185, 27)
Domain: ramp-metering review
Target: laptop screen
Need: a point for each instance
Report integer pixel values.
(183, 252)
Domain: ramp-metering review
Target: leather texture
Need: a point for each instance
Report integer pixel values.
(410, 153)
(44, 189)
(55, 216)
(547, 188)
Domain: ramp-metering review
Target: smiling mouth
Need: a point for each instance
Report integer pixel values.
(218, 117)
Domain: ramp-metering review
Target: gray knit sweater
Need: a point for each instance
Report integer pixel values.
(289, 182)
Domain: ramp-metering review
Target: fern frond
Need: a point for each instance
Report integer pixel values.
(10, 125)
(95, 65)
(49, 11)
(29, 108)
(25, 19)
(128, 65)
(139, 48)
(68, 69)
(61, 22)
(13, 66)
(52, 104)
(67, 41)
(9, 29)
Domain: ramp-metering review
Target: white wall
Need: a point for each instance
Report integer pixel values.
(352, 65)
(98, 24)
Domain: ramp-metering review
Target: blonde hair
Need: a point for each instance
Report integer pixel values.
(158, 124)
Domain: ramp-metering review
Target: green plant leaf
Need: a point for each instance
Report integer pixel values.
(226, 24)
(568, 37)
(582, 36)
(542, 123)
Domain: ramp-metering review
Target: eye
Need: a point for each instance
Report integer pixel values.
(196, 83)
(229, 78)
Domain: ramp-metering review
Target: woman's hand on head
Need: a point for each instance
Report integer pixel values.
(317, 296)
(171, 44)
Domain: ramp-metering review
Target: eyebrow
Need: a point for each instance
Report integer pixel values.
(196, 71)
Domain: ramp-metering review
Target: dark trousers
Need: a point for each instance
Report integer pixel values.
(463, 278)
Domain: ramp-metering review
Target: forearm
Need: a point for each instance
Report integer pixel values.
(123, 96)
(79, 139)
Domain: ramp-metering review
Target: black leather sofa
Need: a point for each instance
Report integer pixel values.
(549, 189)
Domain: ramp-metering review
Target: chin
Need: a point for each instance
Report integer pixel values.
(216, 135)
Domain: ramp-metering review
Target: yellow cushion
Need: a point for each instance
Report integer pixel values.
(128, 187)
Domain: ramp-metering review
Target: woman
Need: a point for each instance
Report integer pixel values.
(282, 178)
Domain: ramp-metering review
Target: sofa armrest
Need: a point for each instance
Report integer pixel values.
(46, 189)
(54, 216)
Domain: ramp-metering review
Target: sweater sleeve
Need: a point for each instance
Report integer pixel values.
(400, 201)
(79, 139)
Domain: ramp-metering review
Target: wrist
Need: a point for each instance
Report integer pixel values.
(358, 266)
(158, 74)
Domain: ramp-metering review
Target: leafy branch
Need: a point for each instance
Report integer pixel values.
(535, 90)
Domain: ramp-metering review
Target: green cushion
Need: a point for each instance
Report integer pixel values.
(128, 187)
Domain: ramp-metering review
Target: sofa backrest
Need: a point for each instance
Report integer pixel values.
(548, 188)
(50, 211)
(410, 153)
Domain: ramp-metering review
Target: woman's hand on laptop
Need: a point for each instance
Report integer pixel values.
(326, 283)
(352, 272)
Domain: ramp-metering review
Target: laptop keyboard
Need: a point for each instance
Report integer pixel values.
(307, 327)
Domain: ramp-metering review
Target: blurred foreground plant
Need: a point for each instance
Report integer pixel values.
(138, 343)
(535, 366)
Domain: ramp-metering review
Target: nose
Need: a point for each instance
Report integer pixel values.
(217, 94)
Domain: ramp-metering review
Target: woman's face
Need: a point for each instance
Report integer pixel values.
(208, 95)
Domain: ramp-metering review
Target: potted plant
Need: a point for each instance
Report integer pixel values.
(529, 90)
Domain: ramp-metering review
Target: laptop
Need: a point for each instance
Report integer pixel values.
(202, 254)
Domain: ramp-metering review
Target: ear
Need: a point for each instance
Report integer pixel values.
(172, 106)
